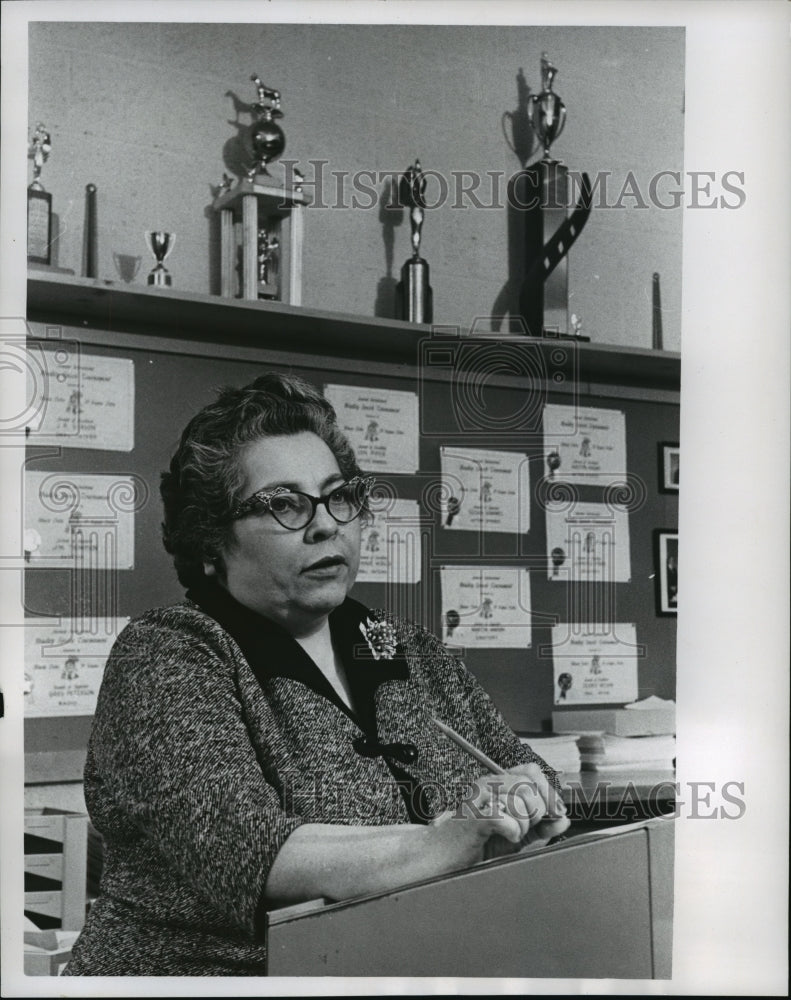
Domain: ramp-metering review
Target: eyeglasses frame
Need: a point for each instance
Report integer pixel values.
(259, 502)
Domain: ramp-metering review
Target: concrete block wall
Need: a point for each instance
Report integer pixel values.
(143, 112)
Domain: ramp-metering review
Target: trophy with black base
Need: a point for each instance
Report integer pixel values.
(161, 246)
(543, 192)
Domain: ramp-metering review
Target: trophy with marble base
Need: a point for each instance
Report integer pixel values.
(262, 223)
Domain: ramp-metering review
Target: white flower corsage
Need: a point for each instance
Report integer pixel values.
(381, 638)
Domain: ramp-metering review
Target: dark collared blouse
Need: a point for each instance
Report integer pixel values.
(216, 735)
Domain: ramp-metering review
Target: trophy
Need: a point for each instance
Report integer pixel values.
(262, 222)
(414, 297)
(548, 111)
(542, 191)
(161, 245)
(266, 136)
(39, 201)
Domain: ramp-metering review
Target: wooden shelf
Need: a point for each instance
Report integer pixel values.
(83, 302)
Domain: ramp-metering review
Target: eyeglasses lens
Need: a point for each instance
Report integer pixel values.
(296, 510)
(346, 502)
(292, 510)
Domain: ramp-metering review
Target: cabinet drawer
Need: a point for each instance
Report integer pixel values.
(49, 904)
(48, 826)
(45, 865)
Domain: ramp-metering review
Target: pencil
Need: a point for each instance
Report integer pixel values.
(473, 751)
(487, 762)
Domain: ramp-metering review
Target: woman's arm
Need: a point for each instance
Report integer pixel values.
(171, 764)
(337, 862)
(342, 861)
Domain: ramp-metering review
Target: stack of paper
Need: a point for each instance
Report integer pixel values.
(605, 752)
(649, 717)
(559, 750)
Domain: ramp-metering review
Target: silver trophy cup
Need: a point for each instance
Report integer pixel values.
(161, 245)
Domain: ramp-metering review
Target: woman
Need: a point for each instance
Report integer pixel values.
(270, 740)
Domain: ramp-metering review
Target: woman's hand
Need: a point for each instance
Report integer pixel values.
(501, 814)
(500, 811)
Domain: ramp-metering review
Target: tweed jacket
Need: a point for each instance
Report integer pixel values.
(207, 752)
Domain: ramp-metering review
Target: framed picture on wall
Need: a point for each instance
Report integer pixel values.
(669, 456)
(666, 571)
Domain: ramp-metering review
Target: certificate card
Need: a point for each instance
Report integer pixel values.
(64, 668)
(381, 425)
(390, 549)
(587, 541)
(584, 445)
(485, 490)
(89, 402)
(486, 606)
(74, 519)
(594, 667)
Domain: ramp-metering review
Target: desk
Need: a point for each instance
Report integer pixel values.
(618, 796)
(596, 909)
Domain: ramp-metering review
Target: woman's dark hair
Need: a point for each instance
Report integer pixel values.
(205, 478)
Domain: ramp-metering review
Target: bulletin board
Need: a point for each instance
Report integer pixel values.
(173, 379)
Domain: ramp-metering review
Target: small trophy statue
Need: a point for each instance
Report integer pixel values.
(161, 245)
(414, 297)
(39, 201)
(549, 231)
(266, 136)
(267, 265)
